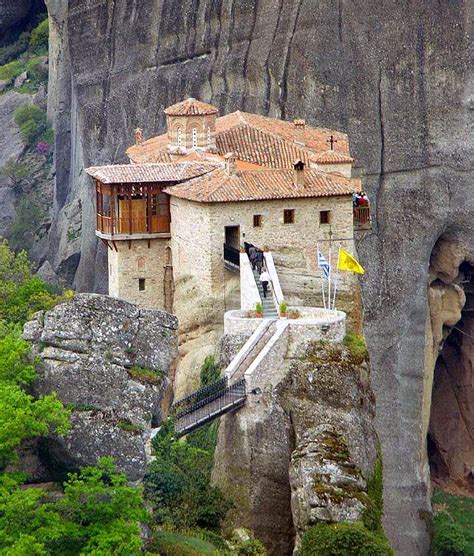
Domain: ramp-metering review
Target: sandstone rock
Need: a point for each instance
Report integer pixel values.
(309, 440)
(382, 61)
(22, 78)
(89, 348)
(4, 83)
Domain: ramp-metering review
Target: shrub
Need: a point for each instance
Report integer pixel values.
(210, 371)
(11, 70)
(32, 122)
(12, 51)
(448, 536)
(357, 347)
(343, 539)
(40, 37)
(148, 376)
(16, 172)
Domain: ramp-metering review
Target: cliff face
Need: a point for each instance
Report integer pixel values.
(392, 75)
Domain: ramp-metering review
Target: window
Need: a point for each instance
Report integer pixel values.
(141, 284)
(208, 136)
(178, 137)
(325, 217)
(257, 220)
(195, 138)
(289, 216)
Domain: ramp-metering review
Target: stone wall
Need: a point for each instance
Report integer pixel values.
(190, 232)
(135, 260)
(198, 235)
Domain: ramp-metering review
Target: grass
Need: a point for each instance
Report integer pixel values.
(459, 509)
(128, 427)
(148, 376)
(176, 544)
(357, 347)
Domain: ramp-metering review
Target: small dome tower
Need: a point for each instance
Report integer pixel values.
(191, 126)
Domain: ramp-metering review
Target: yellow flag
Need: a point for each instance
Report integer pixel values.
(348, 263)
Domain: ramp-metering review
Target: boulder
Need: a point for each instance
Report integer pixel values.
(109, 360)
(22, 78)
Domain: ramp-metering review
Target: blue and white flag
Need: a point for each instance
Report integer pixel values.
(323, 265)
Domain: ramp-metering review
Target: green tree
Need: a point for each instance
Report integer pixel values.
(178, 484)
(40, 37)
(32, 122)
(21, 293)
(16, 172)
(99, 514)
(21, 416)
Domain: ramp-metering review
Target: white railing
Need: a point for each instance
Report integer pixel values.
(249, 295)
(275, 282)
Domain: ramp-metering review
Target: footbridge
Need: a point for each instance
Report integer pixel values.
(269, 340)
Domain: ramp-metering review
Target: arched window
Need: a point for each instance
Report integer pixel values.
(178, 137)
(208, 136)
(195, 138)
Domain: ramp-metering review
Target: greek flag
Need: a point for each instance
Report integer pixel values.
(323, 265)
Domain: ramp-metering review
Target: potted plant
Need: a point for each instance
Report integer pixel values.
(259, 310)
(283, 309)
(294, 314)
(266, 249)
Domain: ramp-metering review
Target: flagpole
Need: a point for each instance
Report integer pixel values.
(322, 277)
(337, 277)
(330, 271)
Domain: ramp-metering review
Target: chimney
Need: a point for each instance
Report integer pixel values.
(230, 163)
(138, 136)
(298, 172)
(299, 131)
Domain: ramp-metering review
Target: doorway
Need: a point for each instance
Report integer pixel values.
(232, 236)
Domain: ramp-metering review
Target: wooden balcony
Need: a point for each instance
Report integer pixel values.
(362, 220)
(132, 212)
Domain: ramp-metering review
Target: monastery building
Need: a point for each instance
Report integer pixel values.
(191, 198)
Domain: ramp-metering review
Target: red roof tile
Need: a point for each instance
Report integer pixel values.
(191, 107)
(256, 139)
(219, 187)
(332, 157)
(149, 173)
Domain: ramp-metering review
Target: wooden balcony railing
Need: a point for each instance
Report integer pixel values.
(362, 218)
(116, 226)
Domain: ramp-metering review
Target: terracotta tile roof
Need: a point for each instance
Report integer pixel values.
(152, 150)
(314, 138)
(332, 157)
(259, 147)
(149, 173)
(191, 107)
(219, 187)
(256, 139)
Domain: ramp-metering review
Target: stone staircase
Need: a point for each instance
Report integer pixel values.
(270, 310)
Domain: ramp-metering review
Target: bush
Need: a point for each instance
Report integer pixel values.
(357, 347)
(343, 539)
(12, 51)
(11, 70)
(210, 371)
(16, 172)
(32, 122)
(448, 536)
(40, 37)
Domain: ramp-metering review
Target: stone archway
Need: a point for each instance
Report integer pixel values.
(450, 436)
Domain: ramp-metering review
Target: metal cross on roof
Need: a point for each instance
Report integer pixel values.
(331, 142)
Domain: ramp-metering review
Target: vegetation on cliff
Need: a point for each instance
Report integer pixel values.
(453, 531)
(95, 512)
